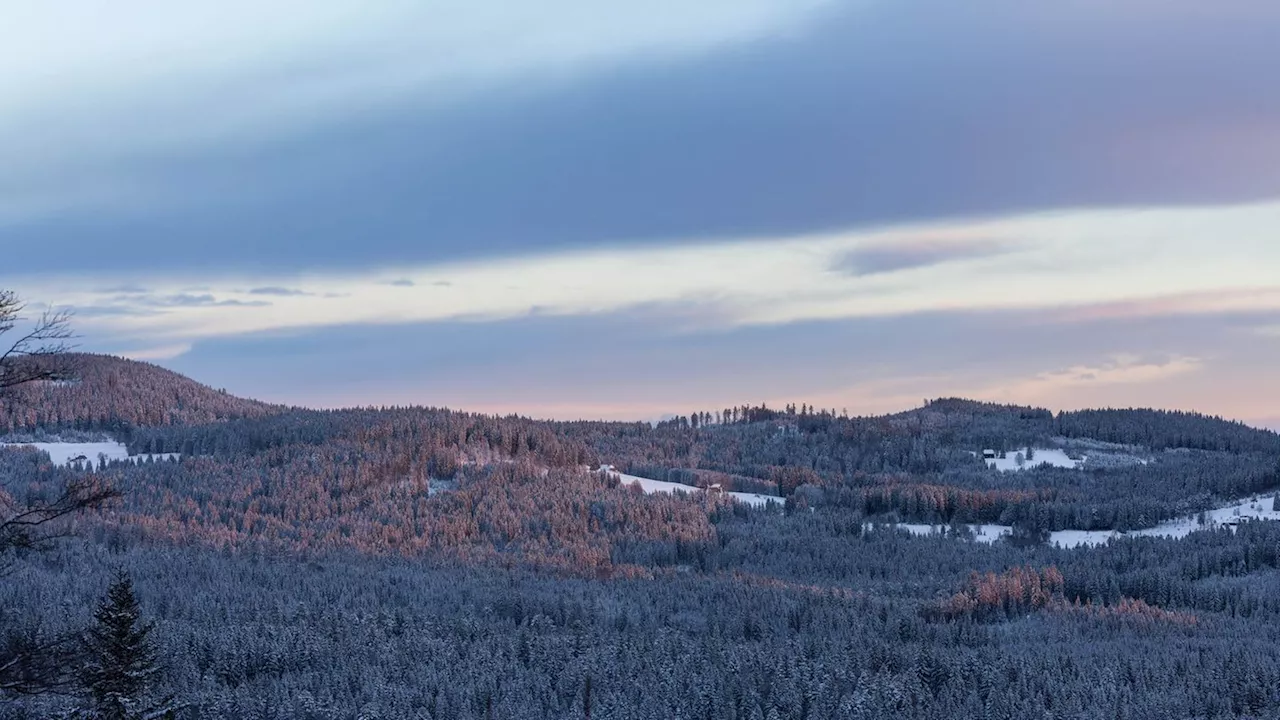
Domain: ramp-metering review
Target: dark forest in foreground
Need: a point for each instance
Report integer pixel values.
(416, 562)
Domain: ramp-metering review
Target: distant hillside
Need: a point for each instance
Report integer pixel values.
(111, 392)
(1160, 429)
(1000, 426)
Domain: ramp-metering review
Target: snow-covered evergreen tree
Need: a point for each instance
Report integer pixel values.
(120, 660)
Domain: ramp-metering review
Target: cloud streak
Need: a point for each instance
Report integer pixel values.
(1090, 263)
(278, 291)
(1055, 387)
(907, 256)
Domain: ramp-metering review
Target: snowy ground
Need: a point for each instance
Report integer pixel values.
(1042, 456)
(1257, 508)
(982, 533)
(657, 486)
(1227, 515)
(1102, 455)
(1110, 456)
(62, 453)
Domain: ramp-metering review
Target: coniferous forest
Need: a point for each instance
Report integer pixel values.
(258, 561)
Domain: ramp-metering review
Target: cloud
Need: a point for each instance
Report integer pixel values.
(403, 282)
(152, 354)
(91, 312)
(147, 304)
(188, 300)
(279, 291)
(124, 290)
(1055, 386)
(1223, 300)
(908, 256)
(817, 118)
(1082, 264)
(298, 66)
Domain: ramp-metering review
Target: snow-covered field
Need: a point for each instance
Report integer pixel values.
(658, 486)
(1228, 515)
(61, 453)
(1178, 528)
(981, 533)
(1057, 457)
(1041, 456)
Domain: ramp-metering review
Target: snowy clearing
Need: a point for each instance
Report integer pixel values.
(1178, 528)
(658, 486)
(1040, 456)
(981, 533)
(1062, 458)
(64, 453)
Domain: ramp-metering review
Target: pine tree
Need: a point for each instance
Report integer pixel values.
(120, 666)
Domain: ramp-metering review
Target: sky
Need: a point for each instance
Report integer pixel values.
(622, 209)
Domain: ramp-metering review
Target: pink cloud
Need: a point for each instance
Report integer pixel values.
(1195, 303)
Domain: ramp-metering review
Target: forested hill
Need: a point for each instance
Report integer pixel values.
(1162, 429)
(424, 562)
(991, 424)
(1116, 469)
(940, 436)
(110, 393)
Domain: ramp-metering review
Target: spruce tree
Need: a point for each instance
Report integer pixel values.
(120, 660)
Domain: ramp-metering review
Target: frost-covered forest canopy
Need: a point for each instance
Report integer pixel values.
(430, 563)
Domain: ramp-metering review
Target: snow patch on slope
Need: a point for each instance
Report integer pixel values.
(981, 533)
(63, 453)
(658, 486)
(1229, 515)
(1039, 457)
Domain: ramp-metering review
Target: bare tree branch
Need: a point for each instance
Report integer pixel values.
(34, 665)
(31, 526)
(34, 355)
(31, 663)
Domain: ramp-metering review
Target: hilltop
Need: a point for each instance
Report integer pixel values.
(111, 393)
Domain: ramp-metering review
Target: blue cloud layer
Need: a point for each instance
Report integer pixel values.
(896, 111)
